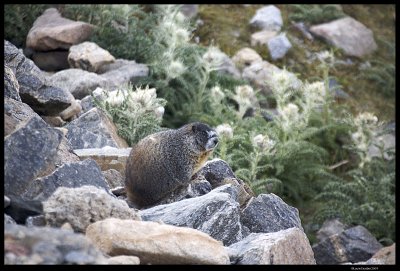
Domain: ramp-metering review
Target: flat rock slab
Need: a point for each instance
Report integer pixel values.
(156, 243)
(350, 35)
(50, 31)
(290, 246)
(107, 157)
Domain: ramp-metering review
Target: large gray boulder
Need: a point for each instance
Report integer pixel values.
(269, 213)
(352, 245)
(68, 175)
(215, 213)
(289, 246)
(29, 152)
(268, 18)
(50, 31)
(216, 171)
(245, 57)
(45, 245)
(78, 82)
(278, 46)
(42, 96)
(88, 56)
(122, 72)
(330, 227)
(346, 33)
(51, 60)
(82, 206)
(94, 129)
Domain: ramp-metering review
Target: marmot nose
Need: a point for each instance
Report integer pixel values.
(215, 140)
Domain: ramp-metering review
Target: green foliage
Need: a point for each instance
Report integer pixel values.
(282, 156)
(383, 73)
(136, 112)
(366, 194)
(18, 20)
(315, 14)
(367, 198)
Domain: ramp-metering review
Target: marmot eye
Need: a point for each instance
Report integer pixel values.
(211, 134)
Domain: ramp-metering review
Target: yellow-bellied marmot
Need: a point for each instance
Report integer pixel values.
(162, 162)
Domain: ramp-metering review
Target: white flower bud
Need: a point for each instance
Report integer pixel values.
(175, 69)
(263, 142)
(159, 112)
(217, 94)
(214, 57)
(115, 97)
(181, 35)
(224, 130)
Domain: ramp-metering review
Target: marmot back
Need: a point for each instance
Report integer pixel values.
(165, 161)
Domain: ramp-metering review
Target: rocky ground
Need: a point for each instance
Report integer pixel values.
(65, 165)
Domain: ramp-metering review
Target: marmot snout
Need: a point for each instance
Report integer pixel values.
(162, 162)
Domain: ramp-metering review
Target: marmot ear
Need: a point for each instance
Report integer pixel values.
(194, 127)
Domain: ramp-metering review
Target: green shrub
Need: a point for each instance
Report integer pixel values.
(366, 198)
(382, 73)
(280, 156)
(315, 14)
(367, 195)
(18, 20)
(136, 112)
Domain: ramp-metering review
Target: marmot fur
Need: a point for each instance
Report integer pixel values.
(162, 162)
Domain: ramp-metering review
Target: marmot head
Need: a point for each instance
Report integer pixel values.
(205, 137)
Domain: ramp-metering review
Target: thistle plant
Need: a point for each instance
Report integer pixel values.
(225, 133)
(366, 125)
(367, 195)
(171, 36)
(136, 112)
